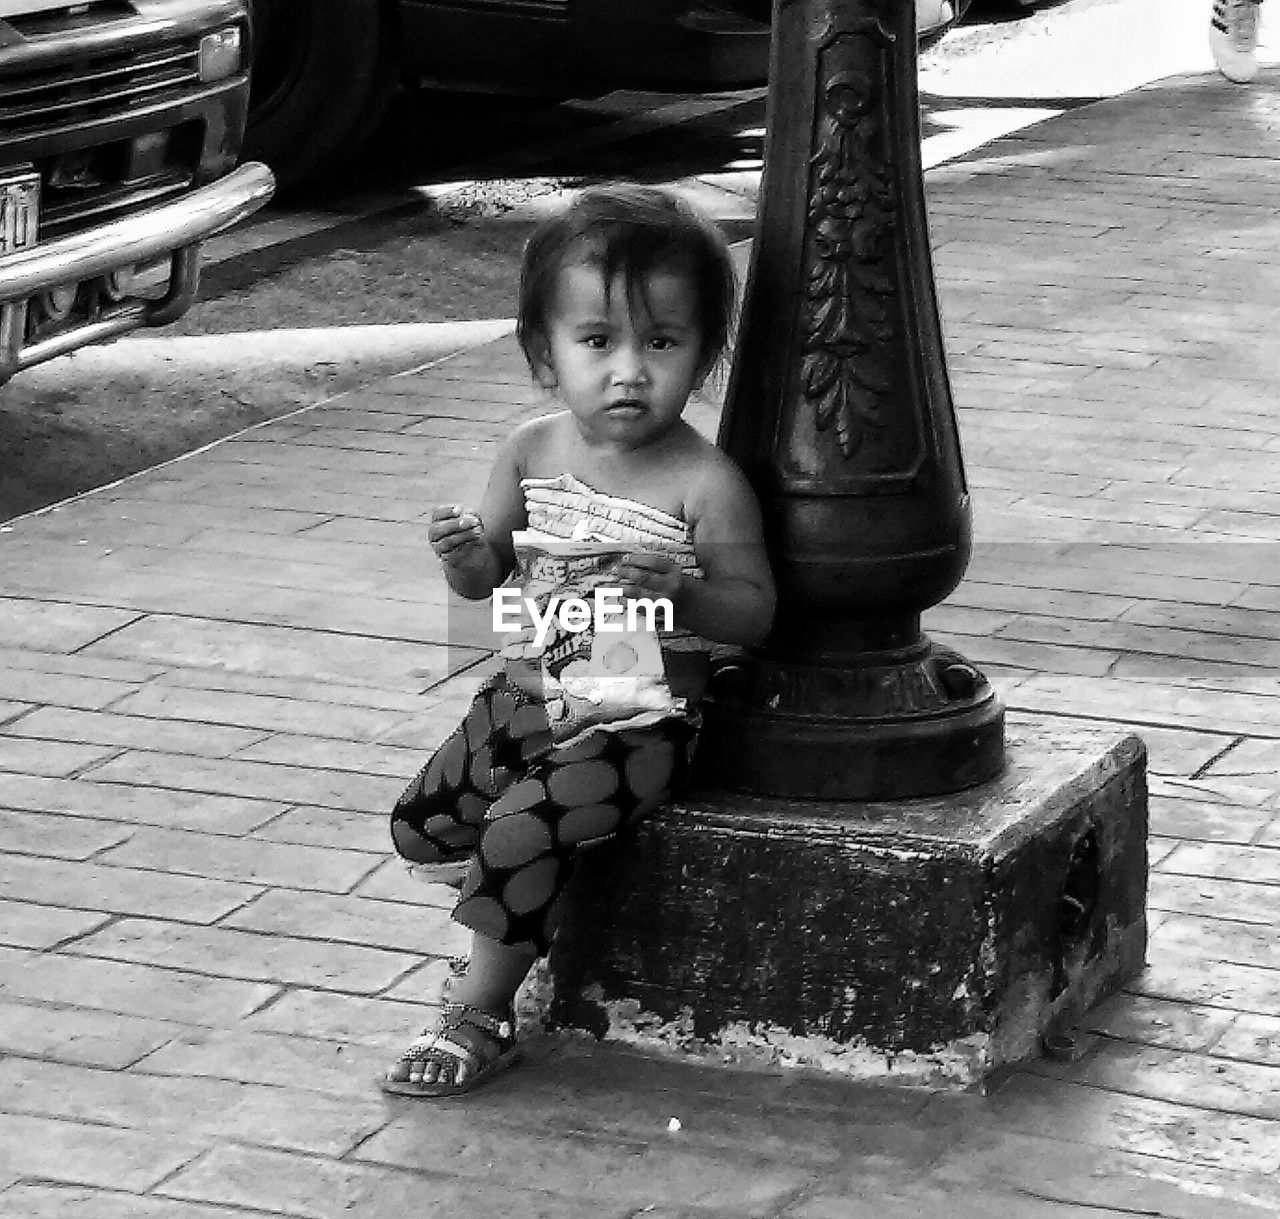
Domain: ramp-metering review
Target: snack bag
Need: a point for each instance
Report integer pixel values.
(600, 658)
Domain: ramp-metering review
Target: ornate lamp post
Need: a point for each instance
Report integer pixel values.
(793, 908)
(840, 411)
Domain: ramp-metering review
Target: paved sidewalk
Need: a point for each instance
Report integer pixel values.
(215, 677)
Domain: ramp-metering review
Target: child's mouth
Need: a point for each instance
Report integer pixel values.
(627, 406)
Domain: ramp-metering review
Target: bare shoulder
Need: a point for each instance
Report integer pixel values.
(539, 447)
(533, 440)
(719, 491)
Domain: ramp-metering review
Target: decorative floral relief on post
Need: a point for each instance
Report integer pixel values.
(848, 365)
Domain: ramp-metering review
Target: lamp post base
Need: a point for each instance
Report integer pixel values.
(924, 941)
(900, 723)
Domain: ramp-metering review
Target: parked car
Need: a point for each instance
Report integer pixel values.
(324, 70)
(120, 129)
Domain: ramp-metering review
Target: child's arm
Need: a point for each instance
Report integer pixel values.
(476, 550)
(734, 603)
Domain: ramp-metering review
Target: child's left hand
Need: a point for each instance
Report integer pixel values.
(650, 575)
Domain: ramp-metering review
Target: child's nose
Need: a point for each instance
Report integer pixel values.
(629, 365)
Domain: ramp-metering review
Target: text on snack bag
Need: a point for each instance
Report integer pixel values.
(607, 611)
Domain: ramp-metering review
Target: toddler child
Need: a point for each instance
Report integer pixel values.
(626, 299)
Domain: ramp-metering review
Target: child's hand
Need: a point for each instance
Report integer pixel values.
(456, 536)
(650, 575)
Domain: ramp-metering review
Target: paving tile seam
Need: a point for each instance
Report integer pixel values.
(1202, 770)
(373, 1170)
(135, 784)
(393, 902)
(1133, 616)
(232, 685)
(1156, 909)
(158, 1190)
(1034, 705)
(93, 1121)
(601, 1193)
(424, 958)
(163, 1189)
(156, 835)
(1086, 717)
(20, 714)
(1203, 1050)
(182, 457)
(175, 970)
(110, 918)
(1134, 632)
(132, 752)
(175, 873)
(115, 918)
(236, 754)
(1120, 654)
(1056, 593)
(1208, 1159)
(276, 622)
(1198, 1106)
(248, 1087)
(1209, 878)
(67, 904)
(104, 601)
(257, 979)
(97, 815)
(1212, 1051)
(85, 768)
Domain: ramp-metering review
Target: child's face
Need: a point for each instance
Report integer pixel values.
(624, 370)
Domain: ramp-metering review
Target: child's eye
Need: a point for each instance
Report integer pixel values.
(662, 343)
(598, 342)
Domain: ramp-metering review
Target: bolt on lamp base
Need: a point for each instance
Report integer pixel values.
(893, 726)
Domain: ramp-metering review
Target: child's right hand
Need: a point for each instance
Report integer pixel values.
(455, 535)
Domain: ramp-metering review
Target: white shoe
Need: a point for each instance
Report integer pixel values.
(932, 14)
(1233, 38)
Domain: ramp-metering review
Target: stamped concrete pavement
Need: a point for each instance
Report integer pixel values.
(215, 676)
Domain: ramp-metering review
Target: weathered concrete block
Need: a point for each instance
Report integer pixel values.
(931, 940)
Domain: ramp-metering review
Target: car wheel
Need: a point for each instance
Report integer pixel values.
(323, 73)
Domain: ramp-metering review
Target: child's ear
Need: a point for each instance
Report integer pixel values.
(545, 375)
(540, 362)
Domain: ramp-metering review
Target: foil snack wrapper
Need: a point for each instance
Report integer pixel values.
(592, 679)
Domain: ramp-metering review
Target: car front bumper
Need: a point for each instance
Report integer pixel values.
(172, 230)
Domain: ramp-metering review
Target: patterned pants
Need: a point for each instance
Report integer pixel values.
(528, 808)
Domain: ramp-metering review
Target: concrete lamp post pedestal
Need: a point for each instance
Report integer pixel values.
(865, 879)
(925, 941)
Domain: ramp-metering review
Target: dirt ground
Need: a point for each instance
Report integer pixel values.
(58, 439)
(90, 418)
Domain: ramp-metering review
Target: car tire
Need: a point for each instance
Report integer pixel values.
(323, 73)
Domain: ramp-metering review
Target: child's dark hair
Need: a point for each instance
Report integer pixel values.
(632, 231)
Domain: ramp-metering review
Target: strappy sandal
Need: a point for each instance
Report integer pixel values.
(472, 1062)
(451, 872)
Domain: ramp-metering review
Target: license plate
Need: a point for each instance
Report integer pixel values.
(19, 211)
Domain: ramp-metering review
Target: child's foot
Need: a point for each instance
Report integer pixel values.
(1233, 38)
(467, 1047)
